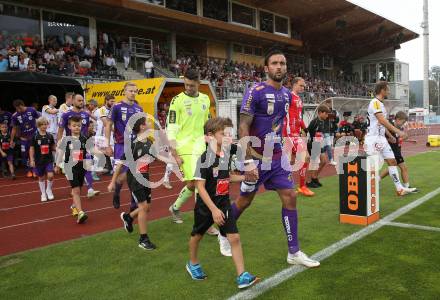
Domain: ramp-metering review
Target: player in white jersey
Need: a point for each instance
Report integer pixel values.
(50, 112)
(67, 105)
(375, 140)
(101, 115)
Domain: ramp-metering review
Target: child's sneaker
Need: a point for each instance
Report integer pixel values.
(246, 279)
(175, 215)
(74, 211)
(128, 222)
(49, 194)
(92, 193)
(146, 244)
(195, 271)
(82, 217)
(43, 198)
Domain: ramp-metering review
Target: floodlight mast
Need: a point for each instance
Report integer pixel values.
(425, 26)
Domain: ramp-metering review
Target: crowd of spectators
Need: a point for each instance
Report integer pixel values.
(72, 56)
(67, 56)
(229, 76)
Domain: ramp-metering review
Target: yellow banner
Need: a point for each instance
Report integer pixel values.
(147, 91)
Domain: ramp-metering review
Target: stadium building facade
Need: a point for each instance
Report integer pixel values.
(334, 40)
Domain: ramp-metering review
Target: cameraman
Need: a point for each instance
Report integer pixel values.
(360, 128)
(330, 128)
(345, 127)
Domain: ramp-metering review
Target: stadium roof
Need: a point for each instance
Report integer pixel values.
(336, 27)
(339, 27)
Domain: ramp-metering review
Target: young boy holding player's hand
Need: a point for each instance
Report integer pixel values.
(143, 153)
(74, 152)
(396, 145)
(212, 178)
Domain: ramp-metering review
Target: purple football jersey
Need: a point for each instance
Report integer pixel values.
(85, 121)
(120, 114)
(268, 106)
(26, 121)
(6, 118)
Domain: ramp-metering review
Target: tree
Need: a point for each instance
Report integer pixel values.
(412, 100)
(434, 92)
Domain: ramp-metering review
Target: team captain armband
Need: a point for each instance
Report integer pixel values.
(172, 117)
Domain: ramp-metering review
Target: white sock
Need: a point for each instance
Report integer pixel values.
(49, 185)
(168, 171)
(42, 185)
(394, 174)
(406, 184)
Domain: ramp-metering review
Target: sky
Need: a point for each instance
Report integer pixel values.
(409, 13)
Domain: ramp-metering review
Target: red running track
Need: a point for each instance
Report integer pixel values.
(27, 223)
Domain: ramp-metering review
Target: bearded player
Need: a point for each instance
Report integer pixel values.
(264, 107)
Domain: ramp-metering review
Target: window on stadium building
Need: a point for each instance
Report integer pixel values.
(258, 51)
(266, 22)
(373, 73)
(157, 2)
(281, 25)
(216, 9)
(238, 48)
(249, 50)
(390, 72)
(244, 15)
(19, 26)
(398, 73)
(60, 29)
(365, 73)
(188, 6)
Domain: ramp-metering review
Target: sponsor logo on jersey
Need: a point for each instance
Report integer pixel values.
(270, 106)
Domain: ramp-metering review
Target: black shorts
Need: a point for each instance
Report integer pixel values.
(78, 175)
(398, 155)
(203, 219)
(141, 195)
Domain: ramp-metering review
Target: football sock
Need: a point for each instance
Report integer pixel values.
(184, 195)
(290, 222)
(49, 185)
(302, 174)
(394, 174)
(236, 211)
(89, 180)
(42, 185)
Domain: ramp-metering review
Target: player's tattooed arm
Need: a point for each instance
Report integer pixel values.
(244, 129)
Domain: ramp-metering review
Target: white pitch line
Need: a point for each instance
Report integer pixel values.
(52, 201)
(413, 226)
(55, 201)
(24, 176)
(70, 215)
(288, 273)
(53, 189)
(62, 187)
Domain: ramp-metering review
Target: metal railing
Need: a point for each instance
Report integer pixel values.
(141, 47)
(223, 92)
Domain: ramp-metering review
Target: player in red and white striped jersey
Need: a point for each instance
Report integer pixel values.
(293, 125)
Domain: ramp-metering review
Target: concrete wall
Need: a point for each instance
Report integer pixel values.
(217, 49)
(251, 59)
